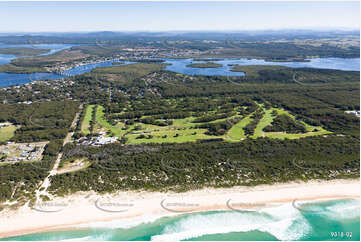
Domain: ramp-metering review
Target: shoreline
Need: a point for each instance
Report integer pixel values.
(82, 209)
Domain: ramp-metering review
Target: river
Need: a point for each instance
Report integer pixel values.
(176, 65)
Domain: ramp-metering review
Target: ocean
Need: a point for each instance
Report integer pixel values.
(317, 220)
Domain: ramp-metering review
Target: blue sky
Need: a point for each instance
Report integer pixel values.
(164, 16)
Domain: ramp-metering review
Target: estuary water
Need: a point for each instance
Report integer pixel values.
(52, 47)
(180, 66)
(9, 79)
(321, 220)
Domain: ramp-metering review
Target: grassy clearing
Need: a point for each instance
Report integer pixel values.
(224, 119)
(264, 122)
(236, 133)
(184, 130)
(283, 135)
(73, 165)
(309, 128)
(115, 130)
(170, 135)
(86, 122)
(7, 132)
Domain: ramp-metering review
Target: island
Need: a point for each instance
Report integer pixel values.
(207, 59)
(205, 65)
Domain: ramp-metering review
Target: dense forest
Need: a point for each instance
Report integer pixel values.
(194, 165)
(145, 93)
(220, 164)
(283, 123)
(256, 117)
(39, 121)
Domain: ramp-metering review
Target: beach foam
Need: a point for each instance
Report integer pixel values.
(346, 209)
(79, 239)
(283, 222)
(123, 223)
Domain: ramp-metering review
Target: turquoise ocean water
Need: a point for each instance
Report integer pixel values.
(322, 220)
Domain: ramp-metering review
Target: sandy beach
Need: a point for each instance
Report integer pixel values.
(83, 208)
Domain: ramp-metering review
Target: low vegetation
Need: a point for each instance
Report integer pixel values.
(284, 123)
(7, 132)
(188, 166)
(137, 69)
(22, 51)
(11, 68)
(204, 65)
(253, 70)
(39, 121)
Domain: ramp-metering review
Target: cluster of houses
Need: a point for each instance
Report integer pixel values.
(28, 152)
(62, 67)
(105, 140)
(98, 140)
(153, 52)
(138, 52)
(354, 112)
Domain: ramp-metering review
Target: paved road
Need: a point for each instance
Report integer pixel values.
(304, 84)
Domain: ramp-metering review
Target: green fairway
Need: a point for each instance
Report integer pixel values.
(236, 133)
(182, 130)
(170, 135)
(7, 132)
(115, 130)
(186, 130)
(86, 122)
(282, 135)
(264, 122)
(267, 119)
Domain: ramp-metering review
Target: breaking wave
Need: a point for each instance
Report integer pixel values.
(283, 222)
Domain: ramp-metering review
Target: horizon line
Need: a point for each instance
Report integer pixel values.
(319, 29)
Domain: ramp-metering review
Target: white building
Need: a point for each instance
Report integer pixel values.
(354, 112)
(105, 140)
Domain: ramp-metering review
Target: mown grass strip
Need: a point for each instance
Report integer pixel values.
(85, 126)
